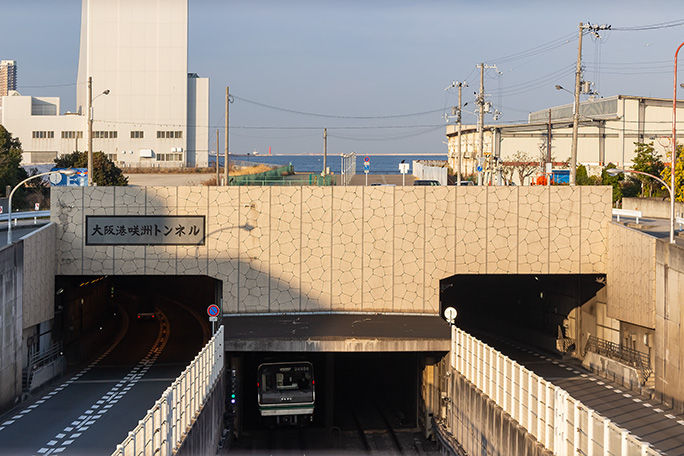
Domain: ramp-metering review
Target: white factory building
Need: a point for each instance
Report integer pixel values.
(154, 114)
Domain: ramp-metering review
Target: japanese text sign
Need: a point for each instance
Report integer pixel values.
(145, 230)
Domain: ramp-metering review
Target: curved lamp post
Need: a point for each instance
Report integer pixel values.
(616, 171)
(66, 172)
(90, 127)
(674, 147)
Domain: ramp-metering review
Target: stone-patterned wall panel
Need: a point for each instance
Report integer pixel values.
(471, 230)
(631, 276)
(347, 204)
(502, 232)
(254, 242)
(223, 238)
(564, 249)
(533, 230)
(67, 214)
(409, 249)
(286, 252)
(316, 248)
(38, 293)
(192, 260)
(440, 243)
(594, 247)
(378, 255)
(98, 201)
(160, 259)
(131, 259)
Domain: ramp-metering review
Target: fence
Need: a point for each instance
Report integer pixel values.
(431, 169)
(348, 168)
(298, 180)
(635, 358)
(560, 422)
(167, 423)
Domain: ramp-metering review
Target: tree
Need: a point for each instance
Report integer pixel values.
(523, 164)
(105, 172)
(614, 181)
(583, 178)
(679, 174)
(647, 160)
(11, 172)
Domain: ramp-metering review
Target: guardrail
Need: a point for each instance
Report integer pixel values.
(163, 429)
(35, 215)
(630, 356)
(627, 213)
(561, 423)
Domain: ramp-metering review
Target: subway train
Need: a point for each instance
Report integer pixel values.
(286, 393)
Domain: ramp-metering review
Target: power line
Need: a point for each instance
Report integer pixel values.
(332, 116)
(659, 25)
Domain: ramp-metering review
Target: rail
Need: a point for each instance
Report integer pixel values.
(165, 426)
(561, 423)
(627, 355)
(348, 168)
(35, 215)
(627, 213)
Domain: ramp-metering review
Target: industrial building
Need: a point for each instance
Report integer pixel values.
(147, 110)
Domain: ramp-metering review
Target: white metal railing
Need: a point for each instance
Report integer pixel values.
(25, 215)
(166, 424)
(348, 168)
(561, 423)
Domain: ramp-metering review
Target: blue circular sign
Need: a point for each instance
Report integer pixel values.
(213, 310)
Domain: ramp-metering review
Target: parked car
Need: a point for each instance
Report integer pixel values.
(425, 182)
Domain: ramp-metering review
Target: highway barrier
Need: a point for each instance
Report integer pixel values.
(165, 426)
(561, 423)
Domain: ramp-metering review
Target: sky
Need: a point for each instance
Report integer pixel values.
(375, 73)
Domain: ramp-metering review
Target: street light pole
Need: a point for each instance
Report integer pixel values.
(674, 147)
(90, 128)
(66, 172)
(615, 171)
(575, 110)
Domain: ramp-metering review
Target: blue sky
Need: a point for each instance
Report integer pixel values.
(366, 69)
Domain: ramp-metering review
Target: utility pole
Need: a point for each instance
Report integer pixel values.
(217, 158)
(480, 123)
(576, 106)
(549, 163)
(325, 151)
(575, 109)
(90, 130)
(227, 161)
(460, 155)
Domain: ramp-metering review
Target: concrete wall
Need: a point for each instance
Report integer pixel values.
(39, 276)
(631, 276)
(482, 427)
(653, 207)
(669, 323)
(11, 270)
(206, 431)
(378, 249)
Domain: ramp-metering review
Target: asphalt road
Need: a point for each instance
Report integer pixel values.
(94, 407)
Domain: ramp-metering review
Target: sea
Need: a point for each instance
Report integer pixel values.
(377, 164)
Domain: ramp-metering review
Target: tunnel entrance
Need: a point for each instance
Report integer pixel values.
(352, 390)
(536, 309)
(91, 311)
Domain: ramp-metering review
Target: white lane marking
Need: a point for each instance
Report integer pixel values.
(672, 417)
(646, 404)
(681, 422)
(637, 400)
(113, 395)
(657, 410)
(627, 395)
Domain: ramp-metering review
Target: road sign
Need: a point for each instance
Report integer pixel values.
(450, 315)
(403, 168)
(213, 319)
(213, 311)
(366, 159)
(366, 167)
(479, 169)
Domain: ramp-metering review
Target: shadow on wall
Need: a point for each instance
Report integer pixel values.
(528, 308)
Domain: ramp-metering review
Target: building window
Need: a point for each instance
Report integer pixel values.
(43, 134)
(105, 134)
(137, 134)
(169, 134)
(112, 157)
(72, 134)
(170, 157)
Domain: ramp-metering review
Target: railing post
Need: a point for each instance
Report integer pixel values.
(559, 424)
(623, 441)
(590, 432)
(576, 429)
(606, 436)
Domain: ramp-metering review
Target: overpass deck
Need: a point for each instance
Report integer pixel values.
(336, 332)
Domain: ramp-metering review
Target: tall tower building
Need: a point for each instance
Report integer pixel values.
(8, 77)
(138, 50)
